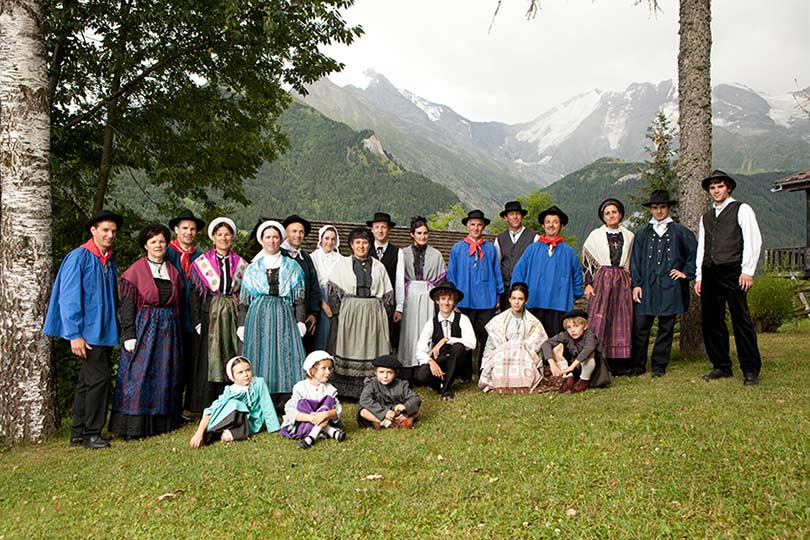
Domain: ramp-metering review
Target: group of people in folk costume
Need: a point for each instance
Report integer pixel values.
(215, 334)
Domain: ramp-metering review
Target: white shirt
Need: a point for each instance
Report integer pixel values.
(660, 227)
(399, 276)
(752, 238)
(425, 342)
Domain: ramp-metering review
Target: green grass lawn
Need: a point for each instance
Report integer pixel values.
(668, 458)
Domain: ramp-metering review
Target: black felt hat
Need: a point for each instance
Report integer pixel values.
(717, 174)
(476, 214)
(659, 196)
(446, 286)
(576, 313)
(104, 215)
(553, 211)
(388, 361)
(295, 218)
(186, 215)
(381, 216)
(611, 201)
(513, 206)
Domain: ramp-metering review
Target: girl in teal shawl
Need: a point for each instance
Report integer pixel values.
(242, 409)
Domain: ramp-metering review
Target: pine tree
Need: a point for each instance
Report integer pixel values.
(661, 172)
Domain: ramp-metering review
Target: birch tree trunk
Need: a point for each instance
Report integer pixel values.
(27, 404)
(695, 124)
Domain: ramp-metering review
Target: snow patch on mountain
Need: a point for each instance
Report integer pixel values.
(615, 122)
(555, 125)
(431, 110)
(784, 109)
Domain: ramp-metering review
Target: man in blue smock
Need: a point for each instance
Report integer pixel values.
(83, 310)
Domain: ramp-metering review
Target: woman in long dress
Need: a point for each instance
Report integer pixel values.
(216, 278)
(424, 268)
(325, 258)
(149, 383)
(361, 299)
(608, 289)
(511, 362)
(272, 311)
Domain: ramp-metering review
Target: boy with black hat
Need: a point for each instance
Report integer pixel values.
(387, 401)
(511, 243)
(298, 228)
(661, 266)
(82, 310)
(576, 348)
(391, 256)
(552, 270)
(475, 270)
(443, 347)
(728, 249)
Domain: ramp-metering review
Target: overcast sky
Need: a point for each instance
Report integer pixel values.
(440, 49)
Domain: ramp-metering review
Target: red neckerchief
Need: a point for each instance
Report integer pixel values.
(475, 246)
(185, 256)
(93, 248)
(552, 241)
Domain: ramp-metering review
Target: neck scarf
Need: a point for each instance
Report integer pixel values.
(185, 256)
(91, 246)
(475, 246)
(551, 241)
(294, 252)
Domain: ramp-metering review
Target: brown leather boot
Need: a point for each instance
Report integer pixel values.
(581, 386)
(567, 385)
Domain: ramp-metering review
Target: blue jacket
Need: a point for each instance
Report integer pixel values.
(84, 300)
(480, 282)
(553, 281)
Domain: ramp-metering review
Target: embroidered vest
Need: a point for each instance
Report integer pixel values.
(723, 236)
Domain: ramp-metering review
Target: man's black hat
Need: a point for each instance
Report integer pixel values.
(717, 174)
(659, 196)
(513, 206)
(186, 215)
(446, 286)
(104, 215)
(381, 216)
(553, 211)
(388, 361)
(476, 214)
(576, 313)
(295, 218)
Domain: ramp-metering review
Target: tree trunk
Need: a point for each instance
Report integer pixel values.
(695, 123)
(27, 410)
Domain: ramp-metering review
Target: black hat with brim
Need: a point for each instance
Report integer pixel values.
(575, 313)
(718, 175)
(381, 216)
(553, 211)
(608, 202)
(388, 361)
(513, 206)
(446, 286)
(659, 196)
(476, 214)
(295, 218)
(104, 215)
(186, 215)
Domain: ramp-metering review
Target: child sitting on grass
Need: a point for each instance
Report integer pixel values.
(580, 346)
(387, 401)
(240, 411)
(313, 410)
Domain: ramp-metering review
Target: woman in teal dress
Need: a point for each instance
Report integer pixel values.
(272, 311)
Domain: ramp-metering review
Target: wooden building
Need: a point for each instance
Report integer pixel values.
(794, 260)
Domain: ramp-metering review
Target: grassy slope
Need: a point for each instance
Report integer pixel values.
(670, 458)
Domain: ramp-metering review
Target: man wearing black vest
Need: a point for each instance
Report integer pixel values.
(511, 243)
(391, 257)
(297, 229)
(729, 243)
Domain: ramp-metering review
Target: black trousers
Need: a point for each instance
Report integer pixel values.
(642, 324)
(550, 318)
(452, 359)
(92, 392)
(720, 287)
(479, 319)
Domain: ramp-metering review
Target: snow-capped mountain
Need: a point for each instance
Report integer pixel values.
(752, 132)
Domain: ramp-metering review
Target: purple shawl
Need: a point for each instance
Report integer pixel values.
(138, 280)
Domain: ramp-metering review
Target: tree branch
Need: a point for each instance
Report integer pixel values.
(56, 67)
(132, 84)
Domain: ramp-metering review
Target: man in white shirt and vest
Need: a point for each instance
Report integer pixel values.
(729, 244)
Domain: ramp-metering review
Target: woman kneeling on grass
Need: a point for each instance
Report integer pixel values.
(242, 409)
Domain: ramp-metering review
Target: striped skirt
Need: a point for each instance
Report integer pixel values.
(610, 311)
(273, 344)
(362, 336)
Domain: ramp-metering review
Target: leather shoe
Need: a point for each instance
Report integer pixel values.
(717, 374)
(581, 386)
(77, 441)
(567, 385)
(96, 442)
(751, 379)
(657, 374)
